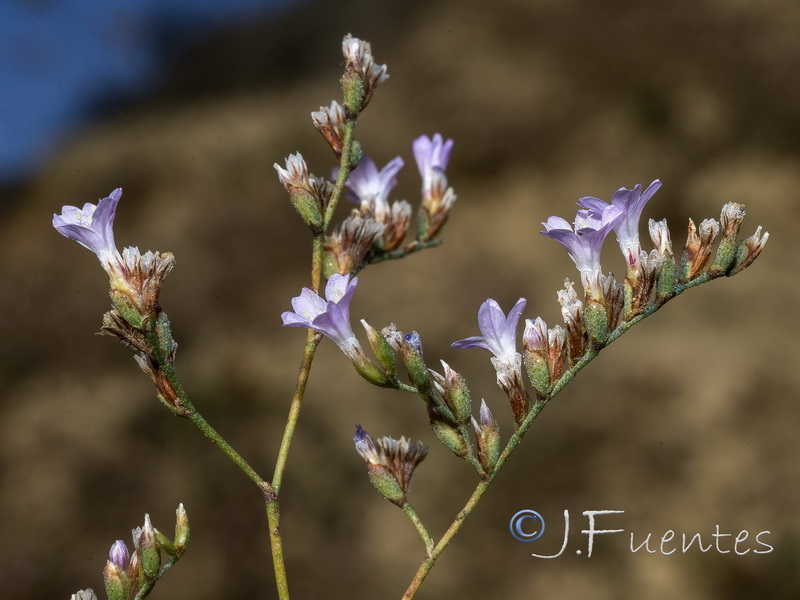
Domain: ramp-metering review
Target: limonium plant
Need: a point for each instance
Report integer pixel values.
(530, 373)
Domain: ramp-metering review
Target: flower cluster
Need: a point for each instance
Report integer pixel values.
(132, 574)
(135, 279)
(390, 463)
(378, 228)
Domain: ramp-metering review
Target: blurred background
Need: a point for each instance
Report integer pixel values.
(687, 423)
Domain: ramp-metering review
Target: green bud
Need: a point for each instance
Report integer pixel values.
(456, 394)
(538, 373)
(164, 335)
(165, 543)
(117, 582)
(181, 529)
(372, 373)
(667, 279)
(127, 309)
(726, 255)
(487, 434)
(596, 319)
(386, 484)
(355, 154)
(423, 225)
(307, 206)
(381, 349)
(149, 550)
(353, 92)
(447, 433)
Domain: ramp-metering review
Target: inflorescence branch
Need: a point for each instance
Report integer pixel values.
(375, 230)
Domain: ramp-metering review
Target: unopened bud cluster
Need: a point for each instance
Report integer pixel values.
(131, 574)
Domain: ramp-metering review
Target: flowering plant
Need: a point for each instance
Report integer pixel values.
(374, 231)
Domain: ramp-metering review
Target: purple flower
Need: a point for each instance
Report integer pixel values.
(92, 227)
(331, 317)
(631, 202)
(499, 332)
(584, 242)
(372, 187)
(431, 154)
(119, 555)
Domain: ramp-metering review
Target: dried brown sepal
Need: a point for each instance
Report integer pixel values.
(614, 296)
(572, 312)
(165, 391)
(147, 272)
(435, 207)
(390, 463)
(349, 246)
(330, 122)
(116, 326)
(748, 250)
(697, 251)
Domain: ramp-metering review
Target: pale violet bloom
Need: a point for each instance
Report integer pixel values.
(499, 332)
(119, 555)
(371, 187)
(331, 317)
(631, 202)
(432, 156)
(585, 240)
(431, 153)
(93, 227)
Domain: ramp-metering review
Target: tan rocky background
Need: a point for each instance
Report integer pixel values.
(687, 423)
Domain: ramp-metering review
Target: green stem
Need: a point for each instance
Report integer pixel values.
(411, 513)
(309, 350)
(149, 585)
(270, 495)
(515, 439)
(344, 170)
(191, 413)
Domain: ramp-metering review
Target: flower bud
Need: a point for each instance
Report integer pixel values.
(697, 251)
(117, 582)
(381, 349)
(302, 190)
(536, 356)
(330, 122)
(730, 220)
(596, 318)
(487, 434)
(149, 550)
(409, 348)
(87, 594)
(390, 463)
(181, 529)
(447, 433)
(748, 250)
(456, 394)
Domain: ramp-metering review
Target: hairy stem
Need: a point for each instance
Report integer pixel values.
(411, 513)
(149, 585)
(309, 350)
